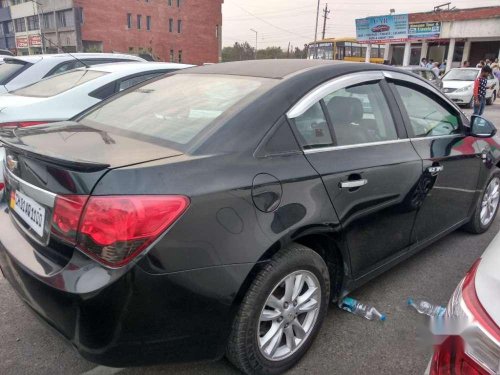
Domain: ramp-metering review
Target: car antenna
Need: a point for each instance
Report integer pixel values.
(74, 57)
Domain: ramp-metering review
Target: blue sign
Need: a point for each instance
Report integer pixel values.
(382, 29)
(424, 30)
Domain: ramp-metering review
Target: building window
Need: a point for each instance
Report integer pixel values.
(65, 18)
(33, 23)
(139, 19)
(9, 27)
(169, 3)
(4, 3)
(179, 26)
(217, 31)
(20, 25)
(129, 20)
(48, 21)
(180, 56)
(171, 25)
(171, 59)
(178, 3)
(148, 23)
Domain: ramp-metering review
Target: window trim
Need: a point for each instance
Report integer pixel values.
(424, 91)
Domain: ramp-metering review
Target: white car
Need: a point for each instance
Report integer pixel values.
(458, 85)
(474, 315)
(65, 95)
(20, 71)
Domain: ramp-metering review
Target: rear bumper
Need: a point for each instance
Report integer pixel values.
(137, 318)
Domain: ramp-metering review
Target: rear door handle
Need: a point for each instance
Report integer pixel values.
(435, 169)
(353, 184)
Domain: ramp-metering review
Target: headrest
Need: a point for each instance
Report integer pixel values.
(344, 110)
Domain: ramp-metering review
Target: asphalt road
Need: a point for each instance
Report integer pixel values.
(346, 345)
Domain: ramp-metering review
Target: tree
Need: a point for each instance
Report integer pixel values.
(244, 51)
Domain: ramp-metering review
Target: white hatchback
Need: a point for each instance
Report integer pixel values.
(458, 85)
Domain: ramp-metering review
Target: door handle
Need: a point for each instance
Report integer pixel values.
(435, 169)
(353, 184)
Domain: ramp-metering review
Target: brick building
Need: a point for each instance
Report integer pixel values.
(187, 31)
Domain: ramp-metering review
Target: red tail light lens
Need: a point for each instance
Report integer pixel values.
(450, 359)
(67, 213)
(115, 229)
(21, 124)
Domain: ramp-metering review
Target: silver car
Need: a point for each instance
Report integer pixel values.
(427, 74)
(20, 71)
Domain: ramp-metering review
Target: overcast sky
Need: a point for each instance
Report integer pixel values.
(279, 22)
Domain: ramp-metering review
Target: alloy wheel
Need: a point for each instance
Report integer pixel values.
(289, 315)
(490, 201)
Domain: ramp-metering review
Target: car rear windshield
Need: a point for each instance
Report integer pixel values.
(174, 109)
(9, 69)
(58, 84)
(461, 75)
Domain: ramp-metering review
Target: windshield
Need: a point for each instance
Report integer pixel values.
(58, 84)
(173, 109)
(10, 69)
(461, 75)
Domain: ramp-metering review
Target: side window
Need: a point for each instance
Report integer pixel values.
(312, 128)
(360, 114)
(428, 117)
(127, 83)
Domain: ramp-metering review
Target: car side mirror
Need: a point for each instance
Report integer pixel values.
(482, 128)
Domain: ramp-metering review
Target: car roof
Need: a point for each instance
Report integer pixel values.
(67, 57)
(120, 67)
(414, 67)
(277, 69)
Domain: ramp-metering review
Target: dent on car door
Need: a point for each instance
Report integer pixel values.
(451, 159)
(369, 168)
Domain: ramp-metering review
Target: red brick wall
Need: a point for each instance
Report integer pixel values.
(457, 15)
(106, 21)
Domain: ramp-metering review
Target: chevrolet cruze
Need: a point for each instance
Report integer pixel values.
(219, 211)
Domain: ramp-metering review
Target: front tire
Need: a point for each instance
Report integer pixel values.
(281, 313)
(486, 207)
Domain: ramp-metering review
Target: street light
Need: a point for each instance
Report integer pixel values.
(256, 41)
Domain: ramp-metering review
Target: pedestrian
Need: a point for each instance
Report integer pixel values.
(480, 64)
(465, 64)
(423, 63)
(435, 69)
(480, 87)
(488, 62)
(442, 67)
(495, 67)
(430, 64)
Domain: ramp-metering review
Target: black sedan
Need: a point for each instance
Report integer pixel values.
(220, 210)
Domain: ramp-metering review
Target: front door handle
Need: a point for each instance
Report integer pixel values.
(353, 184)
(435, 169)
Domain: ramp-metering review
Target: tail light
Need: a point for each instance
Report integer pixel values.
(115, 229)
(477, 350)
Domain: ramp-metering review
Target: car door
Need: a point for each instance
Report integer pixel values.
(450, 166)
(357, 143)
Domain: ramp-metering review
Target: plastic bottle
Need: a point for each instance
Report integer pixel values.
(426, 308)
(357, 308)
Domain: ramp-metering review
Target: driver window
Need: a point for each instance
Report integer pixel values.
(428, 118)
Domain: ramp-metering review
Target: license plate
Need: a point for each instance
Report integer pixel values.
(30, 211)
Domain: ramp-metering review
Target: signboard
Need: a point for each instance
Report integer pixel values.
(424, 30)
(382, 29)
(22, 42)
(35, 40)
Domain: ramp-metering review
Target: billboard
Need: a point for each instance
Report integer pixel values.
(424, 30)
(22, 42)
(35, 40)
(382, 29)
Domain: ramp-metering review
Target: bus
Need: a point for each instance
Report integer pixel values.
(347, 49)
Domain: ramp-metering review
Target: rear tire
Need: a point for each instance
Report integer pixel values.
(268, 308)
(486, 207)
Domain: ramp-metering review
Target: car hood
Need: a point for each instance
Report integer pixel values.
(71, 143)
(457, 84)
(488, 280)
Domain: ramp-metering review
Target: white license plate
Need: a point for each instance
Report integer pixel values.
(30, 211)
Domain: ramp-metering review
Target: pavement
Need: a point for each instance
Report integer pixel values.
(346, 344)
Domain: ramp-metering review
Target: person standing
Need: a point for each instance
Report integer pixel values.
(480, 64)
(435, 69)
(465, 64)
(423, 63)
(480, 87)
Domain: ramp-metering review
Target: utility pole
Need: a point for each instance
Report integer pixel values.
(316, 33)
(256, 42)
(326, 12)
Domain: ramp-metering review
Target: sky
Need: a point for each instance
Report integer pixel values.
(279, 22)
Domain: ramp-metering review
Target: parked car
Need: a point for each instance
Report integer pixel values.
(475, 347)
(221, 209)
(20, 71)
(5, 52)
(427, 74)
(458, 85)
(65, 95)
